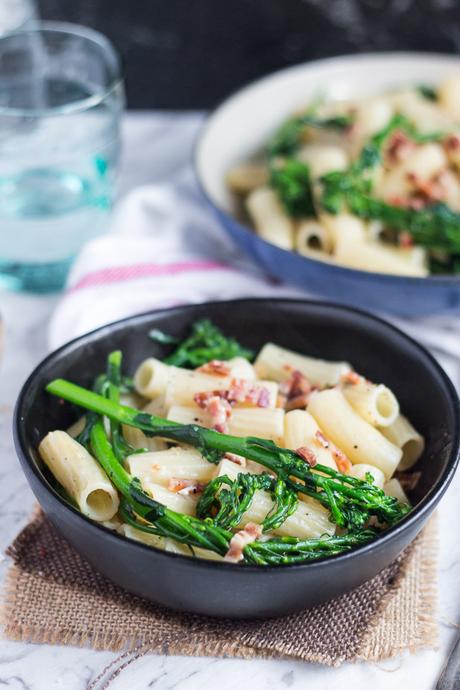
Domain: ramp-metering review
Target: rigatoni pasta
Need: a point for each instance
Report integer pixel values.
(358, 439)
(80, 475)
(282, 461)
(334, 168)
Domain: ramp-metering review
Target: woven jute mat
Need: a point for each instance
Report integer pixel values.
(52, 595)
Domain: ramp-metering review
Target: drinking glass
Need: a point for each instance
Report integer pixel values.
(61, 97)
(15, 14)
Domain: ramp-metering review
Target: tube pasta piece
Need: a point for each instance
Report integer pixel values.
(269, 219)
(371, 116)
(262, 422)
(184, 384)
(449, 96)
(312, 238)
(151, 378)
(156, 406)
(323, 158)
(255, 421)
(367, 256)
(424, 163)
(309, 519)
(300, 430)
(375, 403)
(80, 475)
(114, 524)
(427, 117)
(137, 439)
(343, 228)
(393, 488)
(175, 463)
(402, 434)
(278, 363)
(77, 427)
(175, 501)
(360, 470)
(240, 368)
(360, 441)
(246, 177)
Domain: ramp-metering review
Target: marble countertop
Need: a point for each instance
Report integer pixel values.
(41, 667)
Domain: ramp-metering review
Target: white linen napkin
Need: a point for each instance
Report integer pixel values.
(166, 249)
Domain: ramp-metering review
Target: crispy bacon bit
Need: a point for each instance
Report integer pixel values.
(408, 480)
(452, 142)
(241, 539)
(294, 393)
(156, 467)
(426, 190)
(240, 391)
(215, 367)
(351, 377)
(237, 459)
(300, 402)
(217, 407)
(264, 397)
(341, 460)
(185, 487)
(322, 440)
(416, 203)
(405, 240)
(308, 455)
(243, 391)
(399, 147)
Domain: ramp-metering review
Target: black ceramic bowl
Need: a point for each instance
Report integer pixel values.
(375, 348)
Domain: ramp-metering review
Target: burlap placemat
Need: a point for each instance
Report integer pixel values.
(52, 595)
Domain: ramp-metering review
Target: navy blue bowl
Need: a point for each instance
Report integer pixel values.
(224, 140)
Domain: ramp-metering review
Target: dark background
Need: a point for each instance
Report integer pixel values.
(191, 53)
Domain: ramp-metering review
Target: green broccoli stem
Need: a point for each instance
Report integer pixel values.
(113, 388)
(350, 500)
(193, 532)
(113, 393)
(168, 523)
(289, 550)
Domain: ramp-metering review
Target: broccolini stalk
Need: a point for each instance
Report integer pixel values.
(289, 550)
(205, 343)
(167, 522)
(161, 521)
(351, 501)
(231, 503)
(121, 447)
(291, 180)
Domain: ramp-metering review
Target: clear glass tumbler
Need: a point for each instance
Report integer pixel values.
(15, 14)
(61, 97)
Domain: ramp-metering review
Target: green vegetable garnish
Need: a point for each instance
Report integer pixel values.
(291, 180)
(206, 342)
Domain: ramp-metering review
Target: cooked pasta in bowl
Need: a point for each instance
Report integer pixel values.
(182, 446)
(352, 162)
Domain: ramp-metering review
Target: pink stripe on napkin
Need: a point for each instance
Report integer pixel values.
(116, 274)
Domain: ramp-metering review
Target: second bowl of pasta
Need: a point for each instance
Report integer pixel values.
(342, 176)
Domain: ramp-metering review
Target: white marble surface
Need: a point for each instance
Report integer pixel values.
(154, 148)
